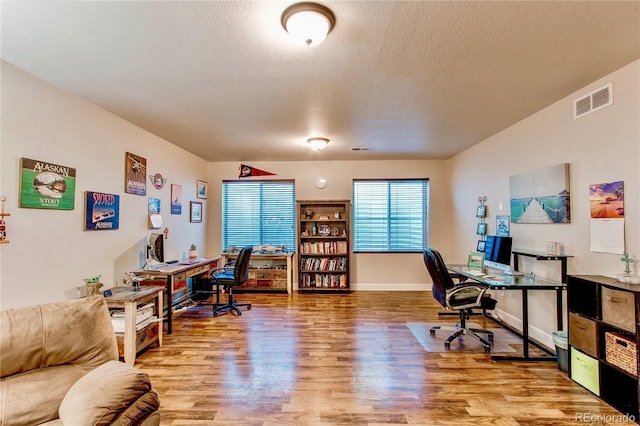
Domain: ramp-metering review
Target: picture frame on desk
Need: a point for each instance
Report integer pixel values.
(476, 260)
(195, 212)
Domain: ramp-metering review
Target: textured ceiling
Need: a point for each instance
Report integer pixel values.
(416, 79)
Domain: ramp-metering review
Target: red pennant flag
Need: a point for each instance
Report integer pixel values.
(248, 171)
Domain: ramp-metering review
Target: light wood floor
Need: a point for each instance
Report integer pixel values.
(331, 359)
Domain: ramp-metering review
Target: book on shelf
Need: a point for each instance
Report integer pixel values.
(324, 263)
(324, 281)
(324, 247)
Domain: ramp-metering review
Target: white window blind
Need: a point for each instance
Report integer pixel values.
(390, 215)
(258, 212)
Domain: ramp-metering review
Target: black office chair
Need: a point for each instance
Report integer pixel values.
(461, 297)
(232, 275)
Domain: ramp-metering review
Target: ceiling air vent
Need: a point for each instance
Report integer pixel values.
(598, 99)
(360, 148)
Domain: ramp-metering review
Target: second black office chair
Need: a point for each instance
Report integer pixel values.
(232, 275)
(460, 297)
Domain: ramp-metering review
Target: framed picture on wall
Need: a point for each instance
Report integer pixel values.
(480, 247)
(176, 199)
(45, 185)
(195, 210)
(502, 225)
(102, 211)
(481, 229)
(201, 189)
(135, 180)
(481, 211)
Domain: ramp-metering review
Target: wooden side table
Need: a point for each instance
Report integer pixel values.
(135, 340)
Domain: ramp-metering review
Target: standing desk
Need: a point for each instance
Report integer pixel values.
(174, 276)
(523, 284)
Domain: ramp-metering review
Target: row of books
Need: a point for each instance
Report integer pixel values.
(323, 263)
(323, 281)
(324, 247)
(145, 315)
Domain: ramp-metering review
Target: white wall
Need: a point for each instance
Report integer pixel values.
(603, 146)
(399, 271)
(49, 252)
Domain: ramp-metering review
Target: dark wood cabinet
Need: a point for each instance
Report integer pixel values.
(604, 325)
(323, 245)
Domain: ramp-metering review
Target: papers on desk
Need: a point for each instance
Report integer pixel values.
(476, 273)
(190, 261)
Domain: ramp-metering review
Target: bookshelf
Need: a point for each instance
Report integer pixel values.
(323, 245)
(604, 337)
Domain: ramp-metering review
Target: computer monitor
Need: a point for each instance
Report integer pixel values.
(497, 252)
(156, 247)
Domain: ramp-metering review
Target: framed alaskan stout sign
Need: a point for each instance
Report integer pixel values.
(45, 185)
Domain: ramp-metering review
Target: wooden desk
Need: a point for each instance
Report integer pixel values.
(523, 284)
(174, 277)
(129, 299)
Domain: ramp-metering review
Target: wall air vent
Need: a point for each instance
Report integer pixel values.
(598, 99)
(360, 148)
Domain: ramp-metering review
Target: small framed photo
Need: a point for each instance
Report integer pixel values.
(481, 229)
(482, 211)
(480, 247)
(195, 210)
(201, 189)
(502, 225)
(476, 260)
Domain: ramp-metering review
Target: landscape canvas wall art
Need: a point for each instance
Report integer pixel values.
(606, 200)
(541, 196)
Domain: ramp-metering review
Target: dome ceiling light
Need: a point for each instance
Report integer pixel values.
(308, 23)
(318, 143)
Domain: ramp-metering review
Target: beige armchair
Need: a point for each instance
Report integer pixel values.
(59, 366)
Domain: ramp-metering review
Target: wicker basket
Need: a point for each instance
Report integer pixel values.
(621, 352)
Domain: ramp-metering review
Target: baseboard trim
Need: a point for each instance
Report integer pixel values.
(390, 287)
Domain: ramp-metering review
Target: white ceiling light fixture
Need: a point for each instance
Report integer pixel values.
(308, 23)
(318, 143)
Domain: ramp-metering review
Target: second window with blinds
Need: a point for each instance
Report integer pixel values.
(390, 215)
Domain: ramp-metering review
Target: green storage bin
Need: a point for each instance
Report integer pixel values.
(584, 370)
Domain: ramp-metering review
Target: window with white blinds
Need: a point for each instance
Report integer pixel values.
(390, 215)
(258, 212)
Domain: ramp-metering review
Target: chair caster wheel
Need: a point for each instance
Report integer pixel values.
(215, 314)
(490, 337)
(447, 345)
(432, 332)
(248, 307)
(487, 348)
